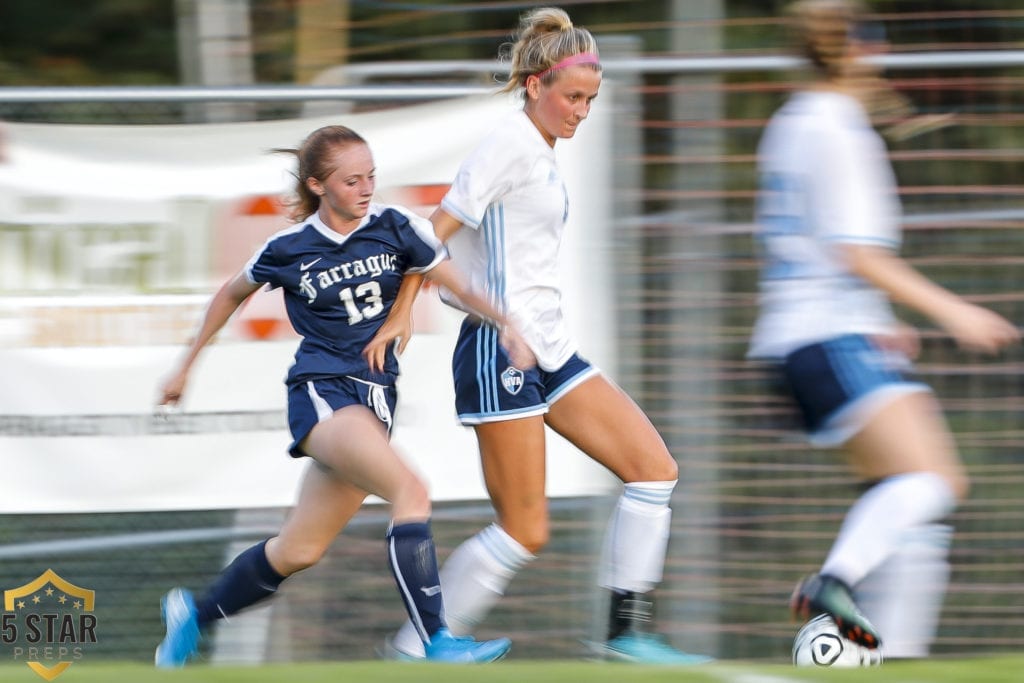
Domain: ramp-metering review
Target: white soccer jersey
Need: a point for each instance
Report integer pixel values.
(824, 181)
(509, 195)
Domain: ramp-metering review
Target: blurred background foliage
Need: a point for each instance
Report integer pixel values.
(135, 42)
(88, 42)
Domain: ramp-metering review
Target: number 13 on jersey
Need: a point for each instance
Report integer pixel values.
(363, 302)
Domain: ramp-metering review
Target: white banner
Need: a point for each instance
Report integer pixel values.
(82, 371)
(77, 430)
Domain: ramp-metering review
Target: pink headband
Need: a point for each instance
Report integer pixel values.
(572, 60)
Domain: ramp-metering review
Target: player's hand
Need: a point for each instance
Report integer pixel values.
(903, 339)
(395, 329)
(979, 329)
(173, 388)
(515, 346)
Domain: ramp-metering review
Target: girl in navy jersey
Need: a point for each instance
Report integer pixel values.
(503, 220)
(340, 266)
(829, 220)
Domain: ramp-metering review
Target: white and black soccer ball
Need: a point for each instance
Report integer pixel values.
(818, 643)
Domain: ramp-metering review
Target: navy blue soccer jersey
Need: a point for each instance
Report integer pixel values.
(338, 289)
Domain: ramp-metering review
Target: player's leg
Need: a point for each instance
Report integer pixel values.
(907, 448)
(354, 444)
(325, 505)
(504, 405)
(853, 393)
(478, 571)
(513, 460)
(329, 497)
(603, 421)
(903, 597)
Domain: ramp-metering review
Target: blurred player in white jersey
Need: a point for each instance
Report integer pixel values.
(829, 221)
(340, 267)
(503, 220)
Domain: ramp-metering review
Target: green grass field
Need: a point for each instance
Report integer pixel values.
(980, 670)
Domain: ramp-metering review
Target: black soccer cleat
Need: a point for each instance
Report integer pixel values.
(818, 594)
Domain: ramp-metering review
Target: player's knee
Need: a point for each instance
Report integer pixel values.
(667, 470)
(299, 556)
(419, 496)
(959, 484)
(536, 543)
(534, 539)
(412, 500)
(955, 478)
(660, 468)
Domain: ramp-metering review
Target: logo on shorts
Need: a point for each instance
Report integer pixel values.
(512, 380)
(48, 623)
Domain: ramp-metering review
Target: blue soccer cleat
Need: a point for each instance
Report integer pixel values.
(178, 610)
(645, 648)
(444, 647)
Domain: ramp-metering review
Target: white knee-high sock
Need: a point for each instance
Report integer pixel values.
(473, 578)
(637, 537)
(879, 519)
(903, 596)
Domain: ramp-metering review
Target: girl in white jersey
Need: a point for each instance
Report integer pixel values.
(340, 267)
(503, 220)
(829, 220)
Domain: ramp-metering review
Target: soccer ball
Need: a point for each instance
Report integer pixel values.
(819, 644)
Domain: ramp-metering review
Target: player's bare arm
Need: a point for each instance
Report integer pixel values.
(223, 304)
(447, 275)
(974, 328)
(397, 327)
(445, 225)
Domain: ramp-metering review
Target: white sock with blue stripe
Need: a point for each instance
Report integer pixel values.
(473, 578)
(637, 537)
(903, 596)
(876, 524)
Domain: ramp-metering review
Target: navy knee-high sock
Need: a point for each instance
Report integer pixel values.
(413, 562)
(247, 580)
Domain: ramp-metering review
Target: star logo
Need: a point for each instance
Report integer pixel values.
(44, 633)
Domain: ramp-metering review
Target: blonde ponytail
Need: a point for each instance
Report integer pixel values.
(546, 37)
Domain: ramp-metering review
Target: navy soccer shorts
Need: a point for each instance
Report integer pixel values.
(839, 385)
(489, 389)
(315, 400)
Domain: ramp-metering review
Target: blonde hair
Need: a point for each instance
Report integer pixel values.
(546, 36)
(821, 31)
